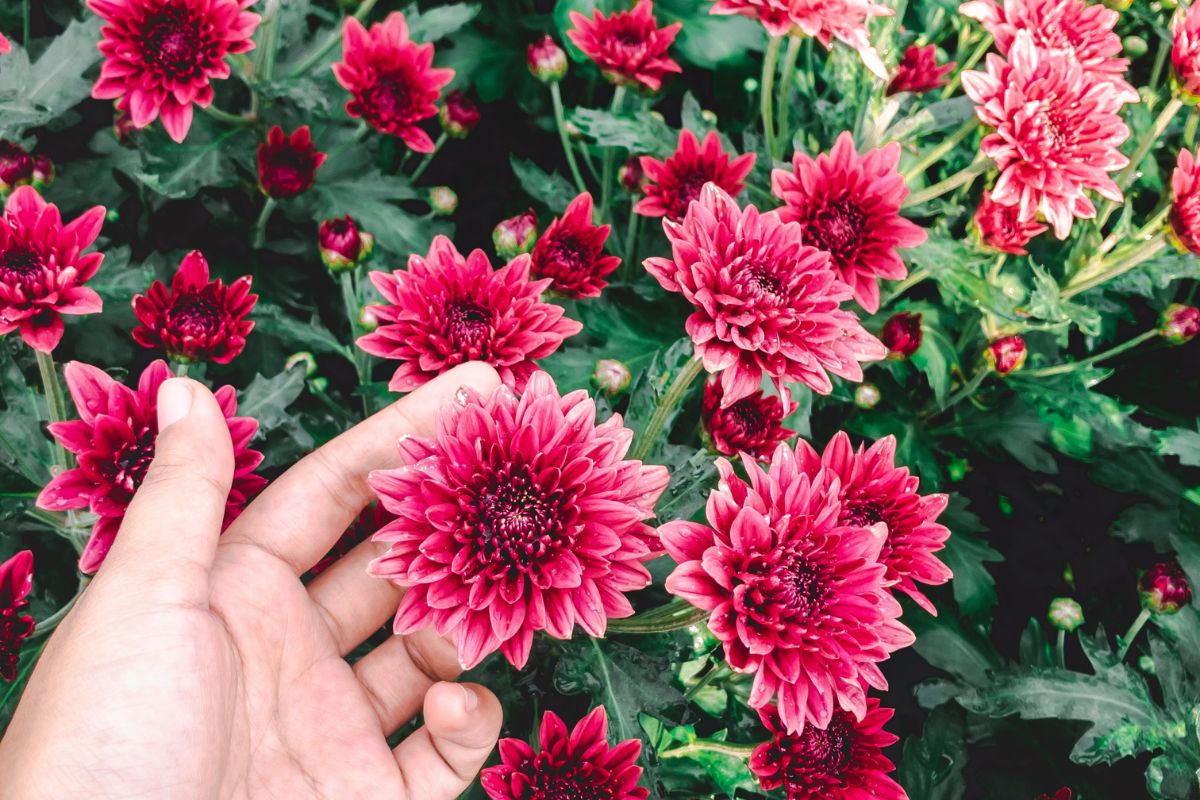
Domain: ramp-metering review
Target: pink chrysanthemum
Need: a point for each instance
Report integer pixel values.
(672, 184)
(391, 79)
(752, 425)
(570, 765)
(5, 45)
(1185, 52)
(919, 72)
(628, 46)
(517, 516)
(1079, 31)
(797, 596)
(113, 439)
(1056, 133)
(1185, 202)
(1002, 229)
(765, 303)
(446, 309)
(844, 20)
(43, 268)
(16, 579)
(873, 490)
(773, 14)
(845, 761)
(849, 206)
(571, 252)
(195, 320)
(160, 56)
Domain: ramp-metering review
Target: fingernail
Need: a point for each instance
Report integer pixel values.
(174, 402)
(462, 395)
(470, 699)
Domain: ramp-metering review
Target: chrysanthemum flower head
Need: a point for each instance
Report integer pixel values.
(196, 319)
(1079, 31)
(1002, 229)
(571, 252)
(1185, 51)
(16, 579)
(874, 490)
(1056, 133)
(287, 165)
(843, 761)
(628, 46)
(848, 205)
(569, 765)
(670, 185)
(844, 20)
(765, 302)
(752, 425)
(797, 596)
(113, 440)
(1185, 202)
(391, 79)
(446, 309)
(43, 268)
(518, 515)
(773, 14)
(919, 72)
(161, 56)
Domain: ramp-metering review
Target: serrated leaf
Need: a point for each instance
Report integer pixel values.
(32, 94)
(549, 188)
(967, 555)
(1183, 443)
(267, 399)
(644, 134)
(201, 161)
(946, 644)
(931, 766)
(439, 22)
(312, 335)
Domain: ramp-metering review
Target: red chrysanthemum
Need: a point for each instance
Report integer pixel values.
(1185, 50)
(849, 206)
(368, 521)
(571, 252)
(113, 439)
(919, 71)
(873, 490)
(160, 56)
(1064, 793)
(391, 79)
(1001, 228)
(844, 20)
(845, 761)
(195, 320)
(628, 46)
(752, 425)
(1079, 31)
(1056, 133)
(446, 309)
(517, 516)
(570, 765)
(16, 579)
(797, 596)
(1185, 202)
(773, 14)
(43, 268)
(672, 184)
(287, 165)
(765, 303)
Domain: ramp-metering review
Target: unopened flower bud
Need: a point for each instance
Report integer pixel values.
(901, 334)
(547, 61)
(16, 166)
(318, 384)
(611, 376)
(43, 172)
(304, 358)
(1134, 46)
(1065, 614)
(867, 395)
(1179, 324)
(458, 115)
(443, 201)
(367, 320)
(343, 246)
(1006, 355)
(1164, 589)
(515, 235)
(631, 175)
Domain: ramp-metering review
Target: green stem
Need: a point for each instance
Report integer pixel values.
(963, 177)
(260, 225)
(942, 148)
(979, 52)
(742, 751)
(1071, 366)
(606, 168)
(181, 369)
(968, 389)
(1139, 622)
(227, 118)
(1189, 129)
(1165, 45)
(1120, 265)
(766, 90)
(268, 48)
(428, 159)
(26, 24)
(330, 42)
(55, 401)
(674, 616)
(46, 627)
(362, 367)
(1148, 140)
(1061, 648)
(560, 119)
(1155, 222)
(716, 671)
(631, 240)
(22, 678)
(784, 128)
(914, 277)
(654, 428)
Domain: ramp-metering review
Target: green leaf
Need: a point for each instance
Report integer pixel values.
(644, 134)
(1170, 777)
(1146, 522)
(936, 358)
(439, 22)
(550, 189)
(1046, 302)
(693, 473)
(967, 554)
(931, 766)
(965, 653)
(1181, 442)
(710, 41)
(651, 386)
(31, 95)
(267, 399)
(23, 448)
(939, 116)
(312, 335)
(181, 170)
(1017, 429)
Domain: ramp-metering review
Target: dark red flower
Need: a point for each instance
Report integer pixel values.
(919, 72)
(43, 172)
(1164, 588)
(1062, 794)
(570, 765)
(672, 184)
(628, 46)
(1006, 355)
(901, 334)
(391, 79)
(287, 165)
(1002, 229)
(751, 425)
(547, 61)
(843, 761)
(631, 175)
(16, 579)
(113, 440)
(368, 521)
(1179, 324)
(343, 245)
(571, 252)
(195, 320)
(459, 115)
(16, 166)
(1185, 201)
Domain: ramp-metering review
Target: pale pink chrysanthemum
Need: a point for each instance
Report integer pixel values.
(1185, 50)
(446, 309)
(161, 56)
(873, 490)
(849, 206)
(844, 20)
(797, 597)
(765, 302)
(1056, 133)
(518, 515)
(773, 14)
(1081, 32)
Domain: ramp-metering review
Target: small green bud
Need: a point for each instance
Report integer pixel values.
(303, 357)
(1065, 614)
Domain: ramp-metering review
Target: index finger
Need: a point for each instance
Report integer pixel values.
(300, 516)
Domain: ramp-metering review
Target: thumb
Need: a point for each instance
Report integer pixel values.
(440, 759)
(171, 527)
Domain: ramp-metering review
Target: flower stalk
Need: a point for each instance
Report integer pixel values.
(783, 130)
(55, 401)
(742, 751)
(428, 159)
(1123, 262)
(936, 153)
(1135, 628)
(1130, 172)
(560, 120)
(670, 400)
(673, 616)
(963, 177)
(359, 357)
(259, 237)
(331, 41)
(1112, 352)
(767, 92)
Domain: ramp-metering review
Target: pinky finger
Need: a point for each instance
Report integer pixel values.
(439, 760)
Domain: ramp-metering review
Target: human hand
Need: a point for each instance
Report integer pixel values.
(198, 665)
